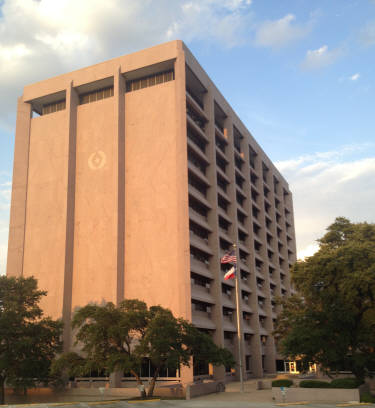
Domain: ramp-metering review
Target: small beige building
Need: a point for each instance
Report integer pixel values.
(131, 179)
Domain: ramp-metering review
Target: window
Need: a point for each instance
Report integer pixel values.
(196, 139)
(197, 184)
(200, 280)
(237, 137)
(53, 107)
(97, 95)
(197, 207)
(196, 161)
(151, 80)
(247, 363)
(252, 155)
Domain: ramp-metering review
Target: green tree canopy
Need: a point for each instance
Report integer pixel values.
(28, 342)
(332, 320)
(118, 338)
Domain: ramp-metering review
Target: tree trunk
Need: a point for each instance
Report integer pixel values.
(140, 383)
(152, 385)
(2, 390)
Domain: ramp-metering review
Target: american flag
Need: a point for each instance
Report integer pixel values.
(230, 257)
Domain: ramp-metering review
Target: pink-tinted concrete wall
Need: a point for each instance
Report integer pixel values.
(95, 231)
(156, 251)
(19, 190)
(44, 254)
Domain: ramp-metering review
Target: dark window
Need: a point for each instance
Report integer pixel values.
(196, 118)
(221, 182)
(220, 162)
(220, 144)
(200, 367)
(253, 178)
(238, 162)
(97, 95)
(222, 203)
(247, 363)
(200, 280)
(151, 80)
(196, 161)
(237, 137)
(198, 230)
(197, 207)
(196, 139)
(53, 107)
(197, 184)
(253, 156)
(223, 224)
(265, 171)
(241, 217)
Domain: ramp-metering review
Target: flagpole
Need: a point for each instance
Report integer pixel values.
(239, 334)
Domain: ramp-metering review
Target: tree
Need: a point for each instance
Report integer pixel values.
(118, 338)
(28, 342)
(170, 342)
(332, 320)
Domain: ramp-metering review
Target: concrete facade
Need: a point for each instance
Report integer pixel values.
(131, 179)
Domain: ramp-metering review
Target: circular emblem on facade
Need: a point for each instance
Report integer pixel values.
(97, 160)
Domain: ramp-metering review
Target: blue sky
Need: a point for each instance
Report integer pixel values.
(299, 73)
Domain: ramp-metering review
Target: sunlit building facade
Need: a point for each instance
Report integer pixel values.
(132, 178)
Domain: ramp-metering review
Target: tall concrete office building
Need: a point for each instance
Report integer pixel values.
(131, 179)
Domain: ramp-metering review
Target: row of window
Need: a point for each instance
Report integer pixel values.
(150, 80)
(107, 92)
(53, 107)
(221, 143)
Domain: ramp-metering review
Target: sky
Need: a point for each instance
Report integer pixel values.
(299, 73)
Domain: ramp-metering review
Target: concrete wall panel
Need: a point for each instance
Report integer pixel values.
(154, 256)
(95, 232)
(46, 207)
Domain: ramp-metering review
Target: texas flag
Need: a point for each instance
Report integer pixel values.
(231, 274)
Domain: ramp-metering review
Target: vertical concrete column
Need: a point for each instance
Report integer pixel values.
(19, 190)
(71, 106)
(119, 102)
(119, 106)
(292, 246)
(239, 340)
(182, 190)
(269, 345)
(284, 250)
(255, 351)
(186, 373)
(256, 346)
(217, 372)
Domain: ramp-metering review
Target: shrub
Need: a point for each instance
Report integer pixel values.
(282, 383)
(367, 397)
(314, 384)
(345, 383)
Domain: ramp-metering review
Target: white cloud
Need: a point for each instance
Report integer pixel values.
(3, 258)
(279, 33)
(308, 251)
(327, 185)
(355, 77)
(39, 39)
(5, 193)
(321, 57)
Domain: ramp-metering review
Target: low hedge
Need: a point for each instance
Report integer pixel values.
(367, 397)
(345, 383)
(337, 383)
(314, 384)
(282, 383)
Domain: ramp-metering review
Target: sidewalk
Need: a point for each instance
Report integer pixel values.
(231, 398)
(233, 393)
